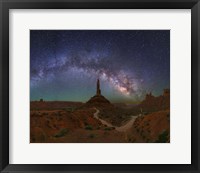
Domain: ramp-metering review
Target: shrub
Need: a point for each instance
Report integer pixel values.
(108, 128)
(163, 137)
(85, 123)
(88, 127)
(61, 133)
(92, 136)
(133, 140)
(148, 140)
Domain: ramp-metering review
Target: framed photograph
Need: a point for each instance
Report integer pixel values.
(87, 91)
(99, 86)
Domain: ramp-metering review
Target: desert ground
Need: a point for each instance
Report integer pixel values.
(100, 122)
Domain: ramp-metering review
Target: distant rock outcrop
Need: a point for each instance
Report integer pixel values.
(152, 103)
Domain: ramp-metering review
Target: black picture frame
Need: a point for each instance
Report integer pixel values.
(5, 5)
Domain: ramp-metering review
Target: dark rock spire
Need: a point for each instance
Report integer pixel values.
(98, 88)
(98, 100)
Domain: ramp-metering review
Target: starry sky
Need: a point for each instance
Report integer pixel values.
(65, 64)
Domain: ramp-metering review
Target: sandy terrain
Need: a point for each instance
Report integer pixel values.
(74, 124)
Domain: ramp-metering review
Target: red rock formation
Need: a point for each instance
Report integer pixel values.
(152, 103)
(154, 127)
(98, 100)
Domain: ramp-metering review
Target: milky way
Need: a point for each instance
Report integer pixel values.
(129, 63)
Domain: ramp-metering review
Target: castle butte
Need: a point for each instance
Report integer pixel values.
(152, 103)
(98, 99)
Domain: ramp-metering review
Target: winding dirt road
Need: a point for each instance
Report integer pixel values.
(123, 128)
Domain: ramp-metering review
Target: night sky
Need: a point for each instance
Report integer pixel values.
(65, 64)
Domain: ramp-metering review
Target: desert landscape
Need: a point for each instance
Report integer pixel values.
(99, 86)
(99, 121)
